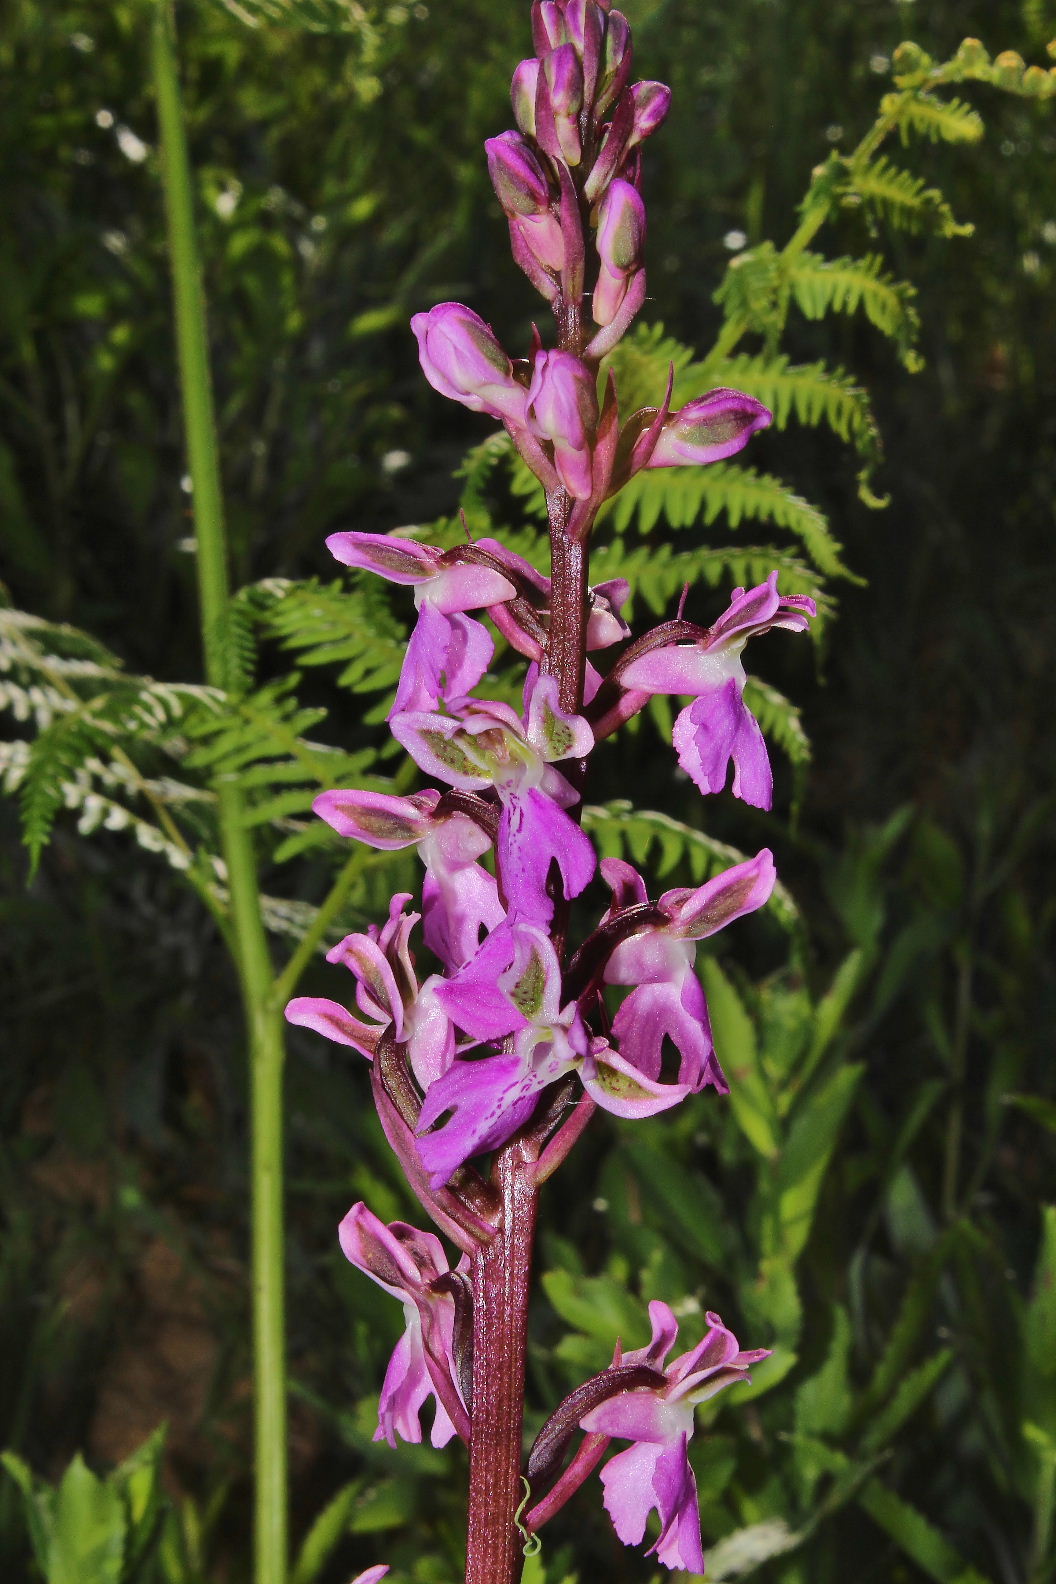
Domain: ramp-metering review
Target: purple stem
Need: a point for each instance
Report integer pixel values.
(501, 1281)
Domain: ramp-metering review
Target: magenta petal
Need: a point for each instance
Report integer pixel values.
(675, 1486)
(373, 1575)
(446, 657)
(715, 729)
(404, 1391)
(681, 668)
(376, 818)
(655, 1012)
(534, 833)
(391, 557)
(333, 1021)
(698, 913)
(490, 1099)
(459, 901)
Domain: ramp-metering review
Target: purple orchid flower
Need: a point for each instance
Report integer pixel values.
(459, 897)
(448, 651)
(718, 726)
(655, 1471)
(413, 1267)
(487, 745)
(387, 991)
(667, 1000)
(373, 1574)
(512, 987)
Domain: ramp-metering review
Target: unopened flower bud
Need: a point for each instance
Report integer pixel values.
(563, 408)
(585, 28)
(462, 358)
(621, 237)
(523, 90)
(544, 239)
(558, 103)
(518, 178)
(651, 102)
(708, 429)
(621, 228)
(616, 61)
(548, 25)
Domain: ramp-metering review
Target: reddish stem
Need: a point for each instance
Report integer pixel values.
(501, 1280)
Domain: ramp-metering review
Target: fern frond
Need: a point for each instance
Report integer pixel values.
(780, 719)
(676, 851)
(477, 472)
(641, 362)
(325, 624)
(684, 496)
(811, 393)
(905, 201)
(754, 289)
(658, 573)
(75, 750)
(843, 285)
(939, 120)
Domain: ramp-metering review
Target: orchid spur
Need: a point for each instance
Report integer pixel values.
(536, 1006)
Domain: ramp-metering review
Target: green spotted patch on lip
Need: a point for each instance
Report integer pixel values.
(451, 754)
(527, 993)
(557, 735)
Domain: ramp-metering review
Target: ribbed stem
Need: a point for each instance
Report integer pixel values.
(263, 1023)
(501, 1281)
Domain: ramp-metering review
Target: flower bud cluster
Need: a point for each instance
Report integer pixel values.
(572, 166)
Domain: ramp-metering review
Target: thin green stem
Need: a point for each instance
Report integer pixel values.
(263, 1021)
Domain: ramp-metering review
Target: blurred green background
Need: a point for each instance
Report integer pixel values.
(877, 1206)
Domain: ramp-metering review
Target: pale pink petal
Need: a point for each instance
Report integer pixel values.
(433, 742)
(620, 1088)
(446, 658)
(695, 914)
(376, 818)
(714, 730)
(334, 1022)
(391, 557)
(466, 586)
(681, 668)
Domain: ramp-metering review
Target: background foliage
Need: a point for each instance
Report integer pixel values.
(871, 1202)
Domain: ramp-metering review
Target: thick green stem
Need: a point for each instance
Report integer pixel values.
(263, 1020)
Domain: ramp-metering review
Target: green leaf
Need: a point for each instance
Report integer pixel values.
(792, 1197)
(737, 1049)
(918, 1538)
(823, 1403)
(325, 1534)
(88, 1537)
(38, 1505)
(885, 1424)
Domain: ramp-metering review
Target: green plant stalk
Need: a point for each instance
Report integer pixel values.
(263, 1019)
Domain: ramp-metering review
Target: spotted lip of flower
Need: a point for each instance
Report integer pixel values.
(487, 745)
(718, 726)
(655, 1471)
